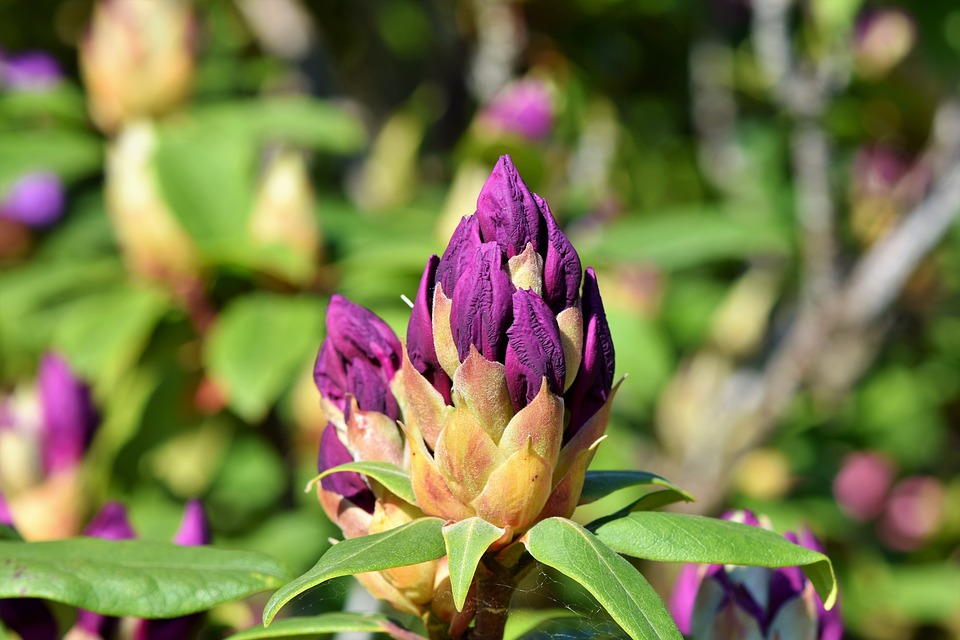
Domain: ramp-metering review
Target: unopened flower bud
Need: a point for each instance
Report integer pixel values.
(69, 416)
(534, 352)
(36, 200)
(730, 603)
(523, 108)
(30, 71)
(137, 60)
(481, 308)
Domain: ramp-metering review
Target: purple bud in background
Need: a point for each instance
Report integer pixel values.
(36, 200)
(69, 417)
(194, 528)
(6, 518)
(562, 271)
(463, 245)
(594, 380)
(31, 71)
(359, 357)
(348, 484)
(524, 108)
(420, 345)
(481, 310)
(507, 211)
(534, 350)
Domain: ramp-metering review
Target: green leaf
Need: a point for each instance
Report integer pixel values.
(650, 502)
(133, 577)
(411, 543)
(392, 477)
(685, 238)
(675, 537)
(614, 582)
(71, 154)
(314, 625)
(523, 621)
(599, 484)
(259, 344)
(466, 543)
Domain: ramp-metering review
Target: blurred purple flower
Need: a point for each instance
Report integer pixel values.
(524, 108)
(30, 71)
(732, 603)
(862, 484)
(913, 512)
(69, 417)
(36, 200)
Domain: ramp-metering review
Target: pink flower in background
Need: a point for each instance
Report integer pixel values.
(35, 199)
(914, 511)
(862, 485)
(524, 108)
(30, 71)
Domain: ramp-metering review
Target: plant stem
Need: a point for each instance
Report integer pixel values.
(495, 588)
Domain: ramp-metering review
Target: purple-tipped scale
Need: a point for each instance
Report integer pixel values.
(459, 254)
(481, 309)
(534, 351)
(420, 345)
(594, 380)
(562, 270)
(507, 212)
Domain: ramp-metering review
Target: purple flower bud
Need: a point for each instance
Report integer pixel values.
(6, 518)
(524, 108)
(561, 265)
(724, 601)
(69, 417)
(459, 253)
(36, 200)
(111, 523)
(420, 345)
(348, 484)
(507, 211)
(194, 527)
(534, 350)
(594, 380)
(359, 357)
(31, 71)
(481, 310)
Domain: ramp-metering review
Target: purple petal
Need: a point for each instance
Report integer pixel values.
(359, 357)
(30, 71)
(458, 255)
(524, 108)
(36, 200)
(357, 332)
(594, 380)
(6, 518)
(348, 484)
(685, 595)
(420, 346)
(507, 212)
(194, 527)
(111, 523)
(29, 618)
(561, 265)
(69, 417)
(481, 309)
(172, 629)
(534, 350)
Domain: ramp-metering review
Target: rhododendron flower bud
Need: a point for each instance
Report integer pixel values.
(137, 59)
(35, 200)
(355, 367)
(524, 108)
(732, 603)
(499, 347)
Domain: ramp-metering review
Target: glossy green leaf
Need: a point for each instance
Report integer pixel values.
(133, 577)
(614, 582)
(315, 625)
(675, 537)
(598, 484)
(650, 502)
(523, 621)
(411, 543)
(392, 477)
(77, 153)
(259, 344)
(467, 541)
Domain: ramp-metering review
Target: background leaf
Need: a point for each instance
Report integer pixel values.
(258, 346)
(315, 625)
(676, 537)
(411, 543)
(614, 582)
(133, 577)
